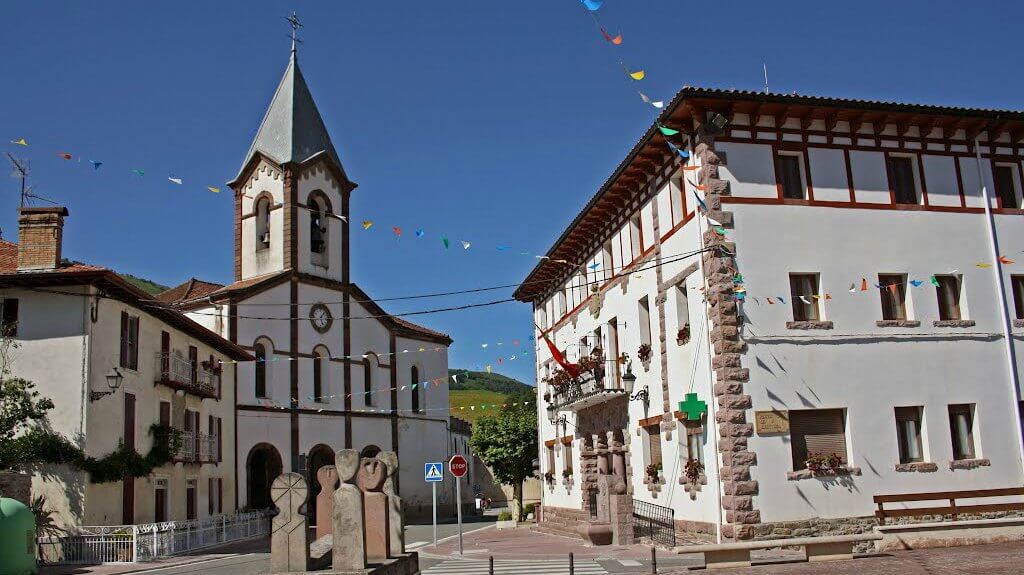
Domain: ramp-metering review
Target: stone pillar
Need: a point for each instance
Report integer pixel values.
(289, 549)
(720, 269)
(349, 552)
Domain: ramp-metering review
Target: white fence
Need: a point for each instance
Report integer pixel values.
(131, 543)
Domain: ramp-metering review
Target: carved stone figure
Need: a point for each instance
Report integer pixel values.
(390, 459)
(370, 479)
(289, 550)
(349, 553)
(327, 476)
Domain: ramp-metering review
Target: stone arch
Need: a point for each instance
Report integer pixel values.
(262, 206)
(321, 364)
(370, 364)
(262, 466)
(319, 207)
(319, 456)
(263, 350)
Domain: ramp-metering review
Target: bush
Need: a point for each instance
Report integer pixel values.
(504, 516)
(530, 508)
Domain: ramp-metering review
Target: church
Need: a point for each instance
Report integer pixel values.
(332, 369)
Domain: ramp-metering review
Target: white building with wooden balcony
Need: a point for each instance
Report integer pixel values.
(844, 322)
(115, 363)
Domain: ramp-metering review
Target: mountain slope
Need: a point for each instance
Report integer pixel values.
(474, 389)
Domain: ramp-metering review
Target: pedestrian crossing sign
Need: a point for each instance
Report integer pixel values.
(433, 472)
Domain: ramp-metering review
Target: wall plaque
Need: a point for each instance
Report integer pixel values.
(767, 422)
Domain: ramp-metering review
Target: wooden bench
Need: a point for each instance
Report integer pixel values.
(952, 509)
(737, 554)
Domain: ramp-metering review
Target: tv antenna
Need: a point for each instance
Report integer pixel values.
(21, 170)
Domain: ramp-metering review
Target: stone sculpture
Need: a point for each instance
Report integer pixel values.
(327, 477)
(370, 479)
(349, 545)
(395, 522)
(289, 550)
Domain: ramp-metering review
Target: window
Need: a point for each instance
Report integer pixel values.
(682, 312)
(567, 455)
(318, 375)
(263, 223)
(903, 184)
(816, 432)
(159, 500)
(215, 495)
(584, 350)
(653, 444)
(9, 313)
(560, 302)
(551, 458)
(165, 413)
(319, 214)
(694, 441)
(613, 349)
(129, 421)
(191, 498)
(371, 362)
(193, 363)
(961, 429)
(165, 355)
(948, 292)
(908, 432)
(644, 317)
(791, 175)
(803, 288)
(894, 296)
(129, 341)
(607, 261)
(414, 380)
(636, 240)
(677, 199)
(1006, 186)
(260, 351)
(542, 318)
(1017, 286)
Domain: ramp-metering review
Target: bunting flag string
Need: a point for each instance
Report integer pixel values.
(319, 407)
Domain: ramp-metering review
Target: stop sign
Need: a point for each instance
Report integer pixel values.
(458, 466)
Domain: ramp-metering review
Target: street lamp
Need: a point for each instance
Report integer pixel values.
(629, 378)
(114, 379)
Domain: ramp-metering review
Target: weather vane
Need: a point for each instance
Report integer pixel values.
(293, 20)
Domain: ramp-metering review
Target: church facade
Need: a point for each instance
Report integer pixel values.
(332, 369)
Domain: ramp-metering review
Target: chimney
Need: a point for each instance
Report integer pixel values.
(40, 234)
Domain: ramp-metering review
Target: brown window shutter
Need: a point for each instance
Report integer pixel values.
(165, 413)
(209, 496)
(129, 420)
(220, 495)
(165, 355)
(124, 339)
(220, 440)
(816, 431)
(193, 359)
(133, 338)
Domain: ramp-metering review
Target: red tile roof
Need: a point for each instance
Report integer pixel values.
(192, 289)
(9, 261)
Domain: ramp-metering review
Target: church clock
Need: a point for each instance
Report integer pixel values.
(320, 317)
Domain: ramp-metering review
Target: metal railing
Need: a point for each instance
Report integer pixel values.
(176, 370)
(197, 447)
(586, 386)
(133, 543)
(654, 523)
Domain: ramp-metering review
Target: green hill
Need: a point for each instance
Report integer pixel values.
(477, 388)
(148, 286)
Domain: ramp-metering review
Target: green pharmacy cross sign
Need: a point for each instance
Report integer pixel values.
(693, 407)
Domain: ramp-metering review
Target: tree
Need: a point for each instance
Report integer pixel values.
(507, 443)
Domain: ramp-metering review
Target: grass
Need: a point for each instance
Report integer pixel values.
(476, 397)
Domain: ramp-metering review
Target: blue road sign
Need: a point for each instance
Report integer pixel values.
(433, 472)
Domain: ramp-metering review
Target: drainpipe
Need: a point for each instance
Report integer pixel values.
(1011, 359)
(713, 432)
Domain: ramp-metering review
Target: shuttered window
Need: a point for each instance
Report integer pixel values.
(567, 455)
(817, 432)
(908, 431)
(803, 288)
(129, 341)
(792, 177)
(654, 444)
(961, 430)
(948, 292)
(903, 184)
(894, 296)
(1006, 186)
(165, 413)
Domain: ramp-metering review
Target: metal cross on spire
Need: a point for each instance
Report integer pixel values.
(293, 20)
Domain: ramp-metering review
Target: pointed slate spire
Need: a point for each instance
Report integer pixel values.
(292, 129)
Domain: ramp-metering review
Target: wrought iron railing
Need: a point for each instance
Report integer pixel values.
(197, 447)
(586, 386)
(133, 543)
(654, 523)
(175, 370)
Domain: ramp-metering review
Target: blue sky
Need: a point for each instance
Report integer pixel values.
(492, 122)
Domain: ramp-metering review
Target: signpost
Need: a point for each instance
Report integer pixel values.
(433, 473)
(458, 466)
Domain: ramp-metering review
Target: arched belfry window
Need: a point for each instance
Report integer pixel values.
(417, 389)
(262, 211)
(319, 227)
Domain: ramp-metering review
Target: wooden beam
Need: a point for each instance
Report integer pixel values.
(755, 116)
(856, 123)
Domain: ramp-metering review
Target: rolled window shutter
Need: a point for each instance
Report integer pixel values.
(817, 431)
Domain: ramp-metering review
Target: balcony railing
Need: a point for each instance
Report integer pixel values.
(176, 371)
(588, 390)
(197, 447)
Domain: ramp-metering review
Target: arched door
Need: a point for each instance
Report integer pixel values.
(318, 457)
(261, 467)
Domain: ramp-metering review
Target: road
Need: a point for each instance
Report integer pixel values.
(416, 537)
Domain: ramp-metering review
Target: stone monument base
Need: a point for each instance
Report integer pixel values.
(408, 564)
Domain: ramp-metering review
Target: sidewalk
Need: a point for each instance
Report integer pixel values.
(526, 544)
(235, 548)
